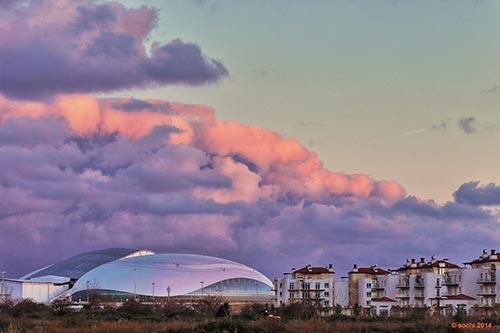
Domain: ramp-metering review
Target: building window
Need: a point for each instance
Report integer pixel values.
(368, 285)
(318, 285)
(327, 294)
(327, 285)
(369, 294)
(291, 286)
(281, 294)
(307, 286)
(327, 303)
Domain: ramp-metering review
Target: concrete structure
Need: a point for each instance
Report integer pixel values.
(312, 286)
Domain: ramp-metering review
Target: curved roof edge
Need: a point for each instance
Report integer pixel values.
(78, 265)
(180, 273)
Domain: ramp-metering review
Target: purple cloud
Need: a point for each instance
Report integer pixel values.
(181, 184)
(472, 193)
(85, 46)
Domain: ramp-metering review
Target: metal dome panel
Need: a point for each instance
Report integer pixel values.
(182, 274)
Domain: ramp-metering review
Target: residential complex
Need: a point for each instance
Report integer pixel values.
(437, 285)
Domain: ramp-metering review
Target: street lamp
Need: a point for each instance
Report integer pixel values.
(88, 292)
(2, 279)
(135, 284)
(153, 292)
(201, 282)
(168, 294)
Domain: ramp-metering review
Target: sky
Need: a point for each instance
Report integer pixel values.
(273, 133)
(351, 78)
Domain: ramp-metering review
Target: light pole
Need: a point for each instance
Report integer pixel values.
(88, 292)
(168, 294)
(2, 296)
(201, 282)
(153, 292)
(135, 284)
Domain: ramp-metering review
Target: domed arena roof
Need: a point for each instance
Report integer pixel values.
(166, 274)
(76, 266)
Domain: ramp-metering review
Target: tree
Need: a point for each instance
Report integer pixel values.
(209, 305)
(60, 306)
(356, 311)
(224, 310)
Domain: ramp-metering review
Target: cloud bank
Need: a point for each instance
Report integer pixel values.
(68, 46)
(80, 173)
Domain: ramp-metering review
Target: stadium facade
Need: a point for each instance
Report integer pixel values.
(124, 274)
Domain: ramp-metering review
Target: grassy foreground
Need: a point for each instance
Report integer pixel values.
(208, 317)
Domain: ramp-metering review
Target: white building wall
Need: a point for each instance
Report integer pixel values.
(390, 286)
(468, 284)
(365, 291)
(39, 292)
(342, 293)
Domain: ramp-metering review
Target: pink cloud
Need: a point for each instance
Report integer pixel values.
(78, 173)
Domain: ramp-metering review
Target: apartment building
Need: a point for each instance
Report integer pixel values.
(435, 285)
(312, 286)
(487, 280)
(420, 284)
(364, 283)
(438, 285)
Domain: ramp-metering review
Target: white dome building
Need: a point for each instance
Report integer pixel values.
(123, 274)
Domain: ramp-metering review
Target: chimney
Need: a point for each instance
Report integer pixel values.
(355, 267)
(407, 261)
(413, 261)
(330, 267)
(493, 251)
(445, 259)
(309, 267)
(485, 253)
(293, 269)
(422, 259)
(433, 259)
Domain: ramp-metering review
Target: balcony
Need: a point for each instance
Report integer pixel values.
(487, 293)
(419, 296)
(487, 280)
(402, 296)
(403, 284)
(419, 283)
(378, 286)
(448, 281)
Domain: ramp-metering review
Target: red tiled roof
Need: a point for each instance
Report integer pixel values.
(460, 297)
(485, 260)
(435, 264)
(383, 299)
(312, 270)
(370, 270)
